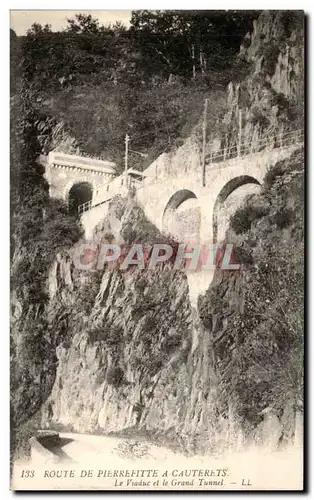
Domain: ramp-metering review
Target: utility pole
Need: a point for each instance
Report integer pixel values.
(204, 140)
(240, 132)
(127, 138)
(193, 60)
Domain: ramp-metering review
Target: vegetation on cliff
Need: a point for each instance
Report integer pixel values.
(40, 228)
(151, 80)
(99, 83)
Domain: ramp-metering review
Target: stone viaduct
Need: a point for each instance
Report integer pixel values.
(178, 196)
(180, 204)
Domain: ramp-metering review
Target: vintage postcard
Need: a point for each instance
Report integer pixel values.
(157, 250)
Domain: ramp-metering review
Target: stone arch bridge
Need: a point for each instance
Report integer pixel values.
(179, 198)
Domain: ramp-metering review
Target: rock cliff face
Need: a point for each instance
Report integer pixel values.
(269, 101)
(136, 357)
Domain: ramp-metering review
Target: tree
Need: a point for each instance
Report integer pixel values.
(38, 29)
(82, 23)
(13, 35)
(188, 43)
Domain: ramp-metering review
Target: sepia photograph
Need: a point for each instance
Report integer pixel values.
(157, 250)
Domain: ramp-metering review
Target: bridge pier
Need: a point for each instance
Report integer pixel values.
(198, 284)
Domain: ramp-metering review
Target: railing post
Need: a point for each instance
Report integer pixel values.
(204, 143)
(240, 132)
(280, 139)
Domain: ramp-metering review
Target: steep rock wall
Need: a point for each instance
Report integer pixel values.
(270, 99)
(136, 357)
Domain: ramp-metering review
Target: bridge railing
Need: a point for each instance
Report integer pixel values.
(88, 205)
(84, 207)
(107, 192)
(277, 141)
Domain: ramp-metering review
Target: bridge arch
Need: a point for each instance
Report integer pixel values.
(229, 188)
(182, 216)
(79, 193)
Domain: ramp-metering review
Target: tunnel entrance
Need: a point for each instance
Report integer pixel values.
(79, 193)
(182, 217)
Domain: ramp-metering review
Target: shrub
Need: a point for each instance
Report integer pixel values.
(87, 294)
(113, 337)
(242, 220)
(243, 256)
(96, 335)
(258, 118)
(283, 219)
(270, 52)
(115, 376)
(172, 343)
(271, 175)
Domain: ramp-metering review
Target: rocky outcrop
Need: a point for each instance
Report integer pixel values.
(269, 101)
(136, 356)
